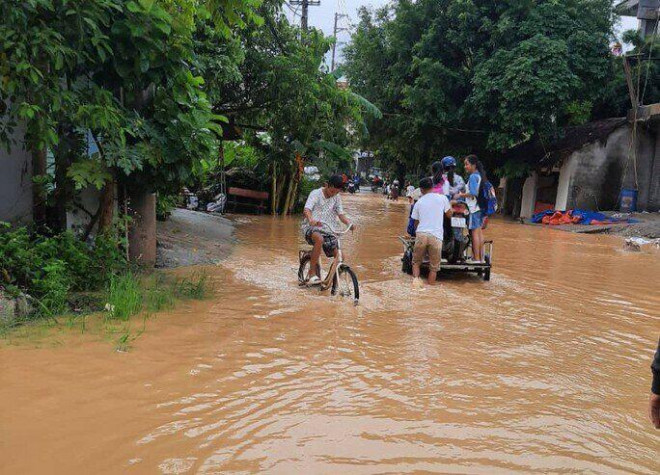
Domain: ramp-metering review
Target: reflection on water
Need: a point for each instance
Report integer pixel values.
(544, 368)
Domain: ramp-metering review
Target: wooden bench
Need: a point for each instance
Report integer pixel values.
(233, 195)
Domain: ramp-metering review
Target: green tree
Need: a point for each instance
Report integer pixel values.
(281, 99)
(117, 70)
(456, 76)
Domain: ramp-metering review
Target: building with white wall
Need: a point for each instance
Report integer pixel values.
(588, 167)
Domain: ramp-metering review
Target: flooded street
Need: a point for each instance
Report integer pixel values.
(543, 369)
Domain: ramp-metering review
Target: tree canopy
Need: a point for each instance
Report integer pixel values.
(140, 92)
(456, 76)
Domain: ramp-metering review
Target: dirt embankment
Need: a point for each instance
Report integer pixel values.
(647, 226)
(193, 238)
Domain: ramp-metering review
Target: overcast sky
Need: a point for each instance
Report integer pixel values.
(323, 16)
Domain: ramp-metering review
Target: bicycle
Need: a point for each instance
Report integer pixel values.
(340, 277)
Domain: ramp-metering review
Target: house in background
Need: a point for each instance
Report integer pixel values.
(16, 198)
(364, 162)
(16, 180)
(588, 167)
(646, 11)
(594, 165)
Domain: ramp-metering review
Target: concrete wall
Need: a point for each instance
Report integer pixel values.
(564, 186)
(645, 163)
(77, 220)
(16, 181)
(595, 181)
(529, 196)
(592, 177)
(648, 167)
(654, 184)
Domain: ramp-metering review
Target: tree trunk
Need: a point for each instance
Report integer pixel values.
(39, 169)
(107, 207)
(142, 231)
(273, 192)
(294, 197)
(280, 192)
(287, 202)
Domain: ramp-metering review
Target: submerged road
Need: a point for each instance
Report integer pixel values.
(543, 369)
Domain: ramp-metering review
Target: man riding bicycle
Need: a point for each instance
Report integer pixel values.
(323, 207)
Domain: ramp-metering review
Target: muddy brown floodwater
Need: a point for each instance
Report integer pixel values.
(543, 369)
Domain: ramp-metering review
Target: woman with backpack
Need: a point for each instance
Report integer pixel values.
(476, 205)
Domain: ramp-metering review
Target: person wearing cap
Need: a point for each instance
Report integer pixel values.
(322, 209)
(454, 183)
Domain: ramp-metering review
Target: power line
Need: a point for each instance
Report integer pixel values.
(305, 4)
(335, 30)
(294, 11)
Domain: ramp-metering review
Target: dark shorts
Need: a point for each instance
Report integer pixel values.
(329, 241)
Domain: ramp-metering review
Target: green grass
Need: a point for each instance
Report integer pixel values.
(193, 287)
(130, 295)
(125, 297)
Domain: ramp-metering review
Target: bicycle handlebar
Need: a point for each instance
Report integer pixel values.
(334, 231)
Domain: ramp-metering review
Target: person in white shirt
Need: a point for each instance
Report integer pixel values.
(409, 192)
(428, 215)
(322, 209)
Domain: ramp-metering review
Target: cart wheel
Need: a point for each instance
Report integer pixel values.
(406, 263)
(303, 270)
(487, 271)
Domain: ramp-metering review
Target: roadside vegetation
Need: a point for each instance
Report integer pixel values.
(117, 311)
(122, 98)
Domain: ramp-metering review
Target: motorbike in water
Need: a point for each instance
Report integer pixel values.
(351, 187)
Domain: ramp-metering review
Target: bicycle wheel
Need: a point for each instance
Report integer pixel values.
(345, 284)
(303, 270)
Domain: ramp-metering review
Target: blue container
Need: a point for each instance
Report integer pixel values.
(628, 201)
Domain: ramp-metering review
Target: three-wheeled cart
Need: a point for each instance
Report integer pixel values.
(451, 262)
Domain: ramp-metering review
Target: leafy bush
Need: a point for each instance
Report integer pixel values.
(47, 268)
(52, 286)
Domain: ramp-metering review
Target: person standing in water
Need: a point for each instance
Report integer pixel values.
(477, 176)
(428, 217)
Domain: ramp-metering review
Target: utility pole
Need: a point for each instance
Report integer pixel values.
(336, 30)
(305, 4)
